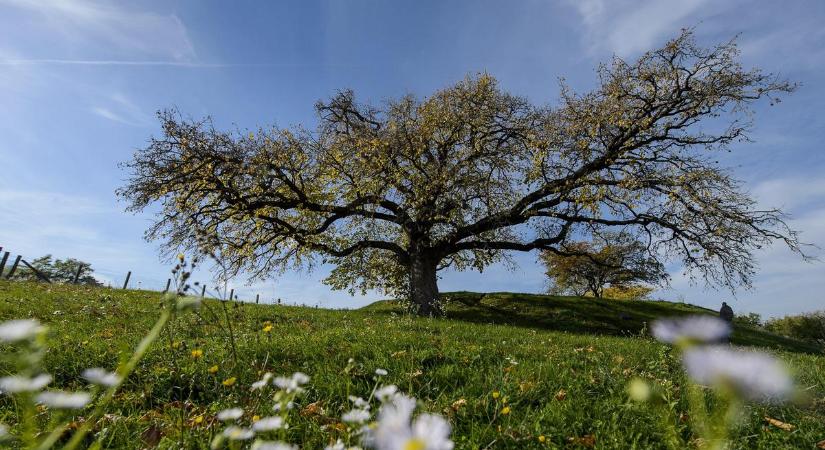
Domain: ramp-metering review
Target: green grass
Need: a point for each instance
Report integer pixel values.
(587, 348)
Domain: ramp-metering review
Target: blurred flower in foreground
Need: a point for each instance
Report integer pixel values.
(19, 330)
(272, 445)
(269, 424)
(230, 414)
(64, 400)
(753, 375)
(692, 329)
(20, 383)
(394, 431)
(235, 433)
(292, 384)
(101, 377)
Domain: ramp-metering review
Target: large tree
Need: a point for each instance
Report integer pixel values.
(393, 193)
(616, 260)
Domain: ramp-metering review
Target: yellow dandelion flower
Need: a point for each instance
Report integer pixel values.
(542, 439)
(198, 420)
(256, 418)
(505, 411)
(213, 369)
(267, 328)
(229, 381)
(496, 394)
(197, 353)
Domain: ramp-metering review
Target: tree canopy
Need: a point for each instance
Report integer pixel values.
(59, 271)
(613, 260)
(392, 193)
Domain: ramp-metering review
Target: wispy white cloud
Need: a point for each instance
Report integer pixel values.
(626, 27)
(121, 109)
(109, 27)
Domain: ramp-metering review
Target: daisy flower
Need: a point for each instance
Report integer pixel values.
(395, 432)
(272, 445)
(707, 329)
(19, 383)
(356, 416)
(235, 433)
(753, 375)
(260, 384)
(19, 330)
(269, 424)
(64, 400)
(385, 393)
(101, 377)
(230, 414)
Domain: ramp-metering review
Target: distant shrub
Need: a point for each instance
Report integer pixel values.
(628, 292)
(807, 327)
(749, 319)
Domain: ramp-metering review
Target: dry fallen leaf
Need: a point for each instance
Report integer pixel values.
(561, 395)
(779, 424)
(588, 440)
(313, 409)
(821, 444)
(458, 404)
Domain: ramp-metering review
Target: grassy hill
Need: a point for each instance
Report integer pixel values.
(562, 364)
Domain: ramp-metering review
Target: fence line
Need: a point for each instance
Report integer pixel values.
(40, 276)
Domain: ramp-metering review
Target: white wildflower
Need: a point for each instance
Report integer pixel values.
(272, 445)
(260, 384)
(64, 400)
(385, 393)
(380, 372)
(230, 414)
(300, 378)
(235, 433)
(289, 405)
(356, 416)
(359, 402)
(101, 377)
(338, 445)
(293, 383)
(19, 330)
(18, 383)
(753, 375)
(393, 431)
(269, 424)
(703, 328)
(4, 432)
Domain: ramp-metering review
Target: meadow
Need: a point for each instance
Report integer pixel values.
(509, 371)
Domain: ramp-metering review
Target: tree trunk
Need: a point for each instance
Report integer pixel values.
(424, 286)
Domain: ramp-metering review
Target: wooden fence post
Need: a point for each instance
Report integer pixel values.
(231, 293)
(128, 275)
(37, 273)
(203, 291)
(77, 274)
(14, 267)
(168, 282)
(257, 298)
(3, 262)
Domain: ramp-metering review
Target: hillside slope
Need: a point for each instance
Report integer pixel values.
(567, 386)
(586, 315)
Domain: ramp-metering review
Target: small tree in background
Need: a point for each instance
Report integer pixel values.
(58, 271)
(614, 261)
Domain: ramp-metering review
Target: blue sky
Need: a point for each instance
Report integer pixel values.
(80, 82)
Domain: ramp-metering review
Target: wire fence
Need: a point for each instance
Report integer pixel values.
(11, 265)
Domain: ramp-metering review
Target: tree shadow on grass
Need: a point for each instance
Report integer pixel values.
(585, 315)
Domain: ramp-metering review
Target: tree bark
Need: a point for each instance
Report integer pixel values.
(424, 286)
